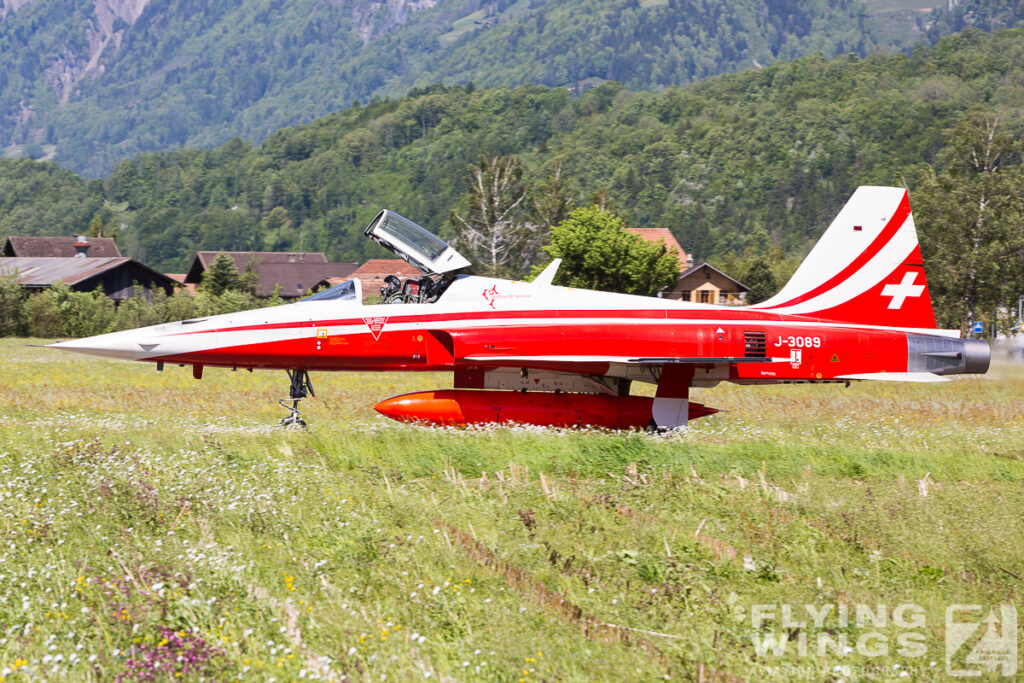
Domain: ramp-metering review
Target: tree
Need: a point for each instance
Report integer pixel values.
(248, 280)
(598, 253)
(495, 232)
(969, 215)
(98, 229)
(602, 200)
(222, 276)
(12, 307)
(760, 280)
(551, 200)
(277, 220)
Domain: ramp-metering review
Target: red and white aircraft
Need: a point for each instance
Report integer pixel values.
(858, 308)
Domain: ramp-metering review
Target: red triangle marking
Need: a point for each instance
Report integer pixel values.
(376, 325)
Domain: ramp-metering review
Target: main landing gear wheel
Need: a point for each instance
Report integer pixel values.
(299, 389)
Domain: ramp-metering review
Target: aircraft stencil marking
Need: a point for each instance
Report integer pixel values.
(799, 342)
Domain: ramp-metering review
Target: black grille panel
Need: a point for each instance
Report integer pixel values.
(755, 345)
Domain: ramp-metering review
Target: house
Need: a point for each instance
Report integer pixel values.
(117, 275)
(704, 284)
(189, 287)
(700, 283)
(664, 235)
(295, 273)
(61, 247)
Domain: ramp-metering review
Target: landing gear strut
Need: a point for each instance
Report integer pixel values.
(300, 388)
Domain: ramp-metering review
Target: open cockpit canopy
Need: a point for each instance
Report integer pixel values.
(419, 247)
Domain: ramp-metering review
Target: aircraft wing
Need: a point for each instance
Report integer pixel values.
(897, 377)
(627, 360)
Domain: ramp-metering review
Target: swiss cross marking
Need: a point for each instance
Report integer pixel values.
(903, 291)
(376, 325)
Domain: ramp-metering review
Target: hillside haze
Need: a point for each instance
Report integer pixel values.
(88, 84)
(732, 164)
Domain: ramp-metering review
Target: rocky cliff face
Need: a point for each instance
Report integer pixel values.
(375, 17)
(94, 35)
(111, 19)
(104, 32)
(11, 6)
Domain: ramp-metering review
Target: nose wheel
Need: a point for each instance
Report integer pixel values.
(299, 389)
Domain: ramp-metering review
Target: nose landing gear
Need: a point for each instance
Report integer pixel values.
(300, 388)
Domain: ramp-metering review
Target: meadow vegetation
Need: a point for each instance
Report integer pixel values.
(155, 525)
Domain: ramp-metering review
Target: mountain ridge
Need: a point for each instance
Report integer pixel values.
(731, 164)
(88, 87)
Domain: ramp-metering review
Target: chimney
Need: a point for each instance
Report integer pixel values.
(82, 247)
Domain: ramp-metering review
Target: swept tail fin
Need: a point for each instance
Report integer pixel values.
(866, 268)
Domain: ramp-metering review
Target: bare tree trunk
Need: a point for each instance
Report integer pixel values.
(495, 231)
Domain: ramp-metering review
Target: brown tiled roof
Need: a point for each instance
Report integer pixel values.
(243, 257)
(661, 235)
(203, 259)
(59, 247)
(373, 272)
(44, 271)
(296, 279)
(295, 272)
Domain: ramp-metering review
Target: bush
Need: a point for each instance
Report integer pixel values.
(43, 315)
(61, 312)
(12, 308)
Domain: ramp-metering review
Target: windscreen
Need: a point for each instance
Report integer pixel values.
(345, 290)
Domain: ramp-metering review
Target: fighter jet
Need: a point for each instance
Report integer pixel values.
(858, 308)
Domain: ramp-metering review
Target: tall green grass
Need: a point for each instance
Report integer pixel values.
(149, 518)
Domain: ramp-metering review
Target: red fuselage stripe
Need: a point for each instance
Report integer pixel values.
(726, 316)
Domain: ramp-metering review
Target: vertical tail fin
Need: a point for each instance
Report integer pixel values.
(866, 268)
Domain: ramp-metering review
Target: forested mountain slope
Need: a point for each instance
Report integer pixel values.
(89, 83)
(730, 163)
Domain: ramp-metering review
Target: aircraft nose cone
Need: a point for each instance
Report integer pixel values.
(127, 345)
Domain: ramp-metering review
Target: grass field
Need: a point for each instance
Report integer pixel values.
(154, 525)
